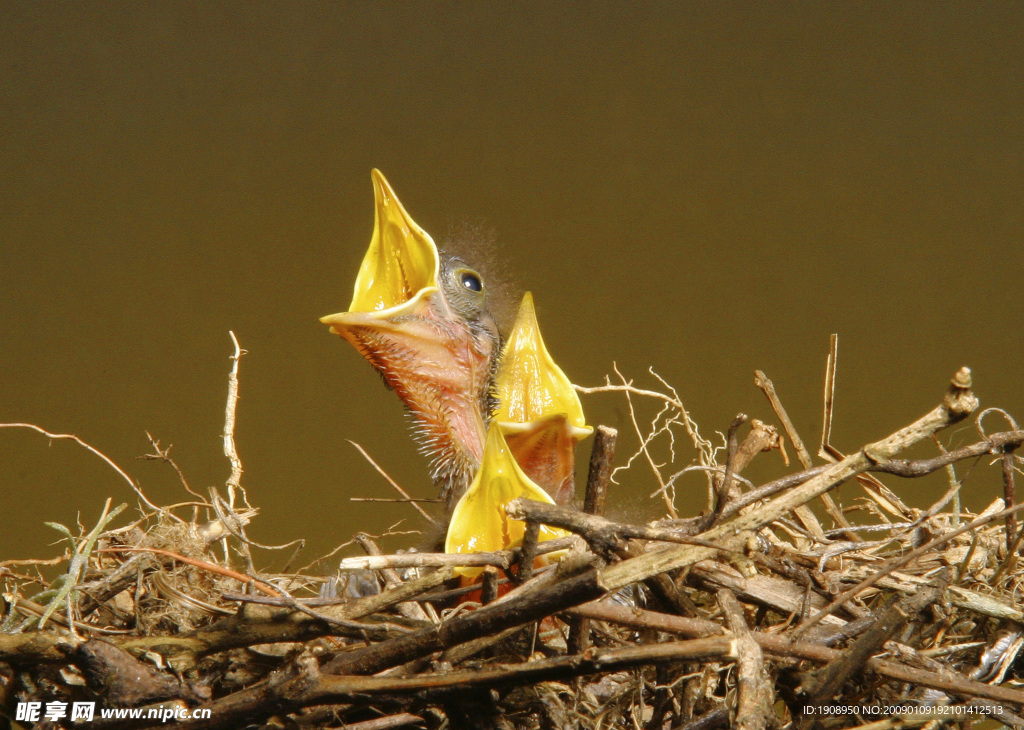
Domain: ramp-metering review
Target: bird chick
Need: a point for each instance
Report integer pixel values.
(421, 319)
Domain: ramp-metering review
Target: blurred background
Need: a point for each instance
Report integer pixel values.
(702, 188)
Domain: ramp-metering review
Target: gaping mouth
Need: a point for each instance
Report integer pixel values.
(530, 387)
(479, 522)
(401, 265)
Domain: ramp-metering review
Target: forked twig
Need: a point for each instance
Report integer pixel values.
(131, 482)
(164, 455)
(658, 427)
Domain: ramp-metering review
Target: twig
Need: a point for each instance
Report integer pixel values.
(392, 579)
(131, 482)
(1009, 497)
(823, 685)
(784, 647)
(164, 455)
(825, 450)
(954, 484)
(501, 559)
(645, 442)
(598, 477)
(387, 723)
(528, 551)
(724, 487)
(704, 447)
(33, 561)
(900, 562)
(256, 583)
(569, 584)
(994, 444)
(31, 609)
(958, 402)
(601, 456)
(804, 513)
(828, 402)
(395, 500)
(755, 697)
(359, 607)
(489, 589)
(394, 484)
(289, 690)
(234, 481)
(768, 388)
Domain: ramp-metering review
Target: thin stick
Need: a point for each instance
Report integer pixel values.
(1009, 496)
(395, 500)
(394, 484)
(704, 447)
(802, 454)
(825, 449)
(34, 561)
(598, 477)
(782, 646)
(489, 592)
(528, 551)
(501, 559)
(644, 448)
(164, 455)
(768, 388)
(897, 564)
(725, 486)
(830, 388)
(1009, 490)
(391, 578)
(755, 696)
(954, 483)
(957, 404)
(131, 482)
(258, 584)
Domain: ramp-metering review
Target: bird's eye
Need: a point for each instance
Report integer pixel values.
(463, 288)
(471, 281)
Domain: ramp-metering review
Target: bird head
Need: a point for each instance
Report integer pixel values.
(421, 319)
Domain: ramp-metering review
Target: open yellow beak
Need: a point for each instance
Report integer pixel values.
(400, 267)
(538, 410)
(530, 386)
(479, 522)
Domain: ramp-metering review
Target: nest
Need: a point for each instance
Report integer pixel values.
(752, 615)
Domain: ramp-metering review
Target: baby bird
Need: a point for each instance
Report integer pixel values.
(421, 319)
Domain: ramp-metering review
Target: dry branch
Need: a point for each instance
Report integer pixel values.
(657, 625)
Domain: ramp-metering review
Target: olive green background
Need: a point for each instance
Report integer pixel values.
(705, 188)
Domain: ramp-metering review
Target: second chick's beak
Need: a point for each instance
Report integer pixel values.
(538, 410)
(421, 320)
